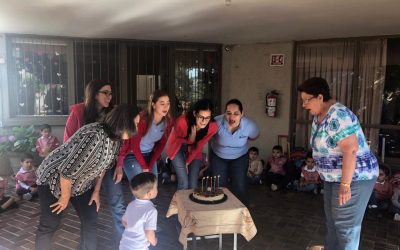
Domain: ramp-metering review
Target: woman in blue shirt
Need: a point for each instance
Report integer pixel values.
(228, 156)
(344, 162)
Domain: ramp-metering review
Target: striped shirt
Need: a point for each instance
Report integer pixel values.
(87, 154)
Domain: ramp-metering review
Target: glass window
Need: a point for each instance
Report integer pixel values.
(38, 82)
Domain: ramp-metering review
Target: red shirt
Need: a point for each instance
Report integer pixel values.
(133, 144)
(310, 175)
(383, 191)
(75, 120)
(277, 165)
(45, 145)
(178, 137)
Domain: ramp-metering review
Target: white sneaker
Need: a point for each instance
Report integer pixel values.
(315, 191)
(27, 196)
(321, 191)
(396, 217)
(274, 187)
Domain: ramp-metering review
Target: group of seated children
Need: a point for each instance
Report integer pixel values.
(386, 194)
(25, 179)
(278, 174)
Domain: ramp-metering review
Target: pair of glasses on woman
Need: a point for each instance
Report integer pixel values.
(107, 93)
(203, 118)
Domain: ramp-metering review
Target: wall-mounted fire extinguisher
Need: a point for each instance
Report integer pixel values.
(271, 103)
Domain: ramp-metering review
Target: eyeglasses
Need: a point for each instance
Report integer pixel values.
(305, 101)
(107, 93)
(202, 118)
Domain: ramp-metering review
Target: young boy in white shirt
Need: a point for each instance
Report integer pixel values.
(140, 218)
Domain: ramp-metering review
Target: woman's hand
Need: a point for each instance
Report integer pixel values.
(192, 136)
(61, 204)
(118, 174)
(95, 198)
(344, 194)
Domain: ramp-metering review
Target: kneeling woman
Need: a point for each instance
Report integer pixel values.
(191, 132)
(74, 171)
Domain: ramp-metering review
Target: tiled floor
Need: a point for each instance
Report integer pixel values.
(285, 220)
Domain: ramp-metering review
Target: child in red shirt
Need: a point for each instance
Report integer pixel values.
(26, 187)
(47, 142)
(276, 165)
(309, 180)
(382, 193)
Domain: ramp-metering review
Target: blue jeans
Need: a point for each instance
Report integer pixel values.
(133, 168)
(115, 199)
(306, 188)
(185, 180)
(344, 222)
(235, 170)
(49, 221)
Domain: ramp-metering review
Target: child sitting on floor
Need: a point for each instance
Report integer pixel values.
(255, 169)
(276, 165)
(382, 193)
(395, 181)
(6, 202)
(140, 218)
(26, 187)
(46, 143)
(396, 204)
(309, 177)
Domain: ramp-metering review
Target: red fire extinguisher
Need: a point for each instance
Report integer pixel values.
(271, 103)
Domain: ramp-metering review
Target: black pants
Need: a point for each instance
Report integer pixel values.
(277, 179)
(49, 221)
(21, 191)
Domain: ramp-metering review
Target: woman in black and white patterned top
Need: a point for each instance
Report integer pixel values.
(73, 172)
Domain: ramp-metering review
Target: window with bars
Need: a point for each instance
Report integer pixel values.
(196, 76)
(45, 74)
(95, 59)
(38, 81)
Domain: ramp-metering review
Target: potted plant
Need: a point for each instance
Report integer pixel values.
(15, 141)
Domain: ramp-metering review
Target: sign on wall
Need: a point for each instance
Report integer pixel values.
(277, 60)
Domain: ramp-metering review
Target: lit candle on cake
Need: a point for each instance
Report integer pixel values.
(202, 184)
(211, 183)
(206, 184)
(218, 182)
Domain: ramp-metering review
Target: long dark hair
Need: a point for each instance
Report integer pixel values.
(91, 114)
(120, 120)
(150, 111)
(200, 105)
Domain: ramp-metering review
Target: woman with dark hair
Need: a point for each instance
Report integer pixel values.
(74, 171)
(147, 145)
(344, 161)
(229, 147)
(97, 103)
(191, 132)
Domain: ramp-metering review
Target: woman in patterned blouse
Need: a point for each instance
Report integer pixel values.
(73, 172)
(344, 162)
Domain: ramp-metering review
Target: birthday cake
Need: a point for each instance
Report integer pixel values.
(210, 195)
(209, 192)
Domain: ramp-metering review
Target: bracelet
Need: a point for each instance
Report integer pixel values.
(345, 184)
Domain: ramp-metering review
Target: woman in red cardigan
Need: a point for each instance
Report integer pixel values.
(191, 132)
(147, 145)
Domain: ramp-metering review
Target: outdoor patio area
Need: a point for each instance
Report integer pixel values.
(284, 220)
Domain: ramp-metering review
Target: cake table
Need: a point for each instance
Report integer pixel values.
(229, 217)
